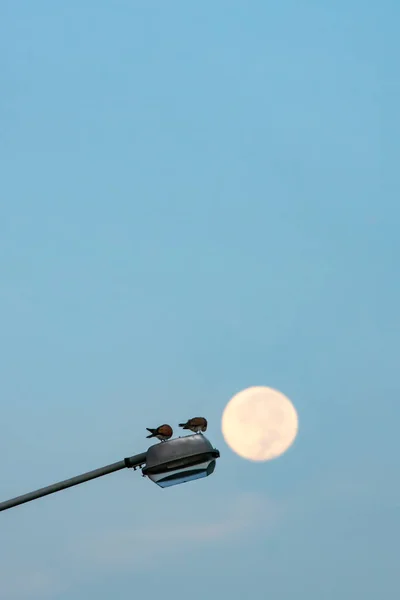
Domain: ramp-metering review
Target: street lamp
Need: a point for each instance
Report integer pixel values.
(168, 463)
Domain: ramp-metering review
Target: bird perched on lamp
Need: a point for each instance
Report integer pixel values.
(163, 432)
(197, 424)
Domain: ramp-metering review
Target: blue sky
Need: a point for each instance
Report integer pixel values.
(196, 198)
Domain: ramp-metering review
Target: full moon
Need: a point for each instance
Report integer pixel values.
(259, 423)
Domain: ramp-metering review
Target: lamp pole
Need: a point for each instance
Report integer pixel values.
(132, 462)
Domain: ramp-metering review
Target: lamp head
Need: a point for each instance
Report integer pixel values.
(180, 460)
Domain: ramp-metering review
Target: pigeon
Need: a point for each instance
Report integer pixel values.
(197, 424)
(163, 433)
